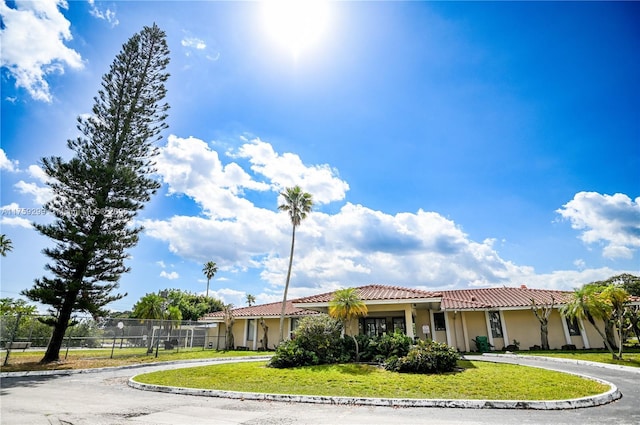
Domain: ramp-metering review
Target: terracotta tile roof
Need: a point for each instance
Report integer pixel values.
(263, 310)
(462, 299)
(500, 297)
(375, 292)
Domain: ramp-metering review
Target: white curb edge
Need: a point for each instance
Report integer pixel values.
(607, 397)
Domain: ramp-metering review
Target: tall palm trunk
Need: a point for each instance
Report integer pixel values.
(286, 286)
(603, 336)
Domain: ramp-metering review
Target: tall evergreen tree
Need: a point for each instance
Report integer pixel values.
(99, 191)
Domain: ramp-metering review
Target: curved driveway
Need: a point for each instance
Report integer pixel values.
(103, 397)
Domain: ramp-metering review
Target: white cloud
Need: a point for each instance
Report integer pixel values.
(12, 216)
(170, 276)
(229, 296)
(569, 279)
(197, 47)
(288, 170)
(189, 166)
(105, 14)
(193, 43)
(7, 164)
(355, 246)
(613, 220)
(161, 264)
(41, 194)
(33, 44)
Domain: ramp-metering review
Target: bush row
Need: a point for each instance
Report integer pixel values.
(318, 340)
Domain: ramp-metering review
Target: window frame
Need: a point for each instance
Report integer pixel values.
(439, 325)
(496, 324)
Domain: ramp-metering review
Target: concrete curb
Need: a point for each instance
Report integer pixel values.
(64, 372)
(592, 401)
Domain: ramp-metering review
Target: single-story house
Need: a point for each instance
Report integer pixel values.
(456, 317)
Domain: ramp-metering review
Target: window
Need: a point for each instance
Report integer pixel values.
(438, 322)
(496, 324)
(251, 327)
(574, 328)
(375, 326)
(295, 321)
(398, 325)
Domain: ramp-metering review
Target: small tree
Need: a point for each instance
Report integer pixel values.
(251, 300)
(618, 298)
(345, 306)
(148, 309)
(229, 320)
(542, 313)
(265, 334)
(210, 269)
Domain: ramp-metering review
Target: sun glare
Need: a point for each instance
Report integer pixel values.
(296, 25)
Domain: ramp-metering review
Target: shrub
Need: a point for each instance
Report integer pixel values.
(380, 348)
(317, 340)
(425, 357)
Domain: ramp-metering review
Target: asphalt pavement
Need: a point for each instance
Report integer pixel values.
(104, 397)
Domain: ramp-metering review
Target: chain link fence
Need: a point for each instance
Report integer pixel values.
(28, 332)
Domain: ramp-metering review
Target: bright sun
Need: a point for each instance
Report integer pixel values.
(295, 25)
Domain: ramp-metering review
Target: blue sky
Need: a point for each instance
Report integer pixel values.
(446, 144)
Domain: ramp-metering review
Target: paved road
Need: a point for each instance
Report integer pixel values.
(105, 398)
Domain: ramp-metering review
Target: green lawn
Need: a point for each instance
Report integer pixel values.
(478, 380)
(628, 358)
(100, 357)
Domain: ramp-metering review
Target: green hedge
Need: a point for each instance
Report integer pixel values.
(317, 340)
(426, 357)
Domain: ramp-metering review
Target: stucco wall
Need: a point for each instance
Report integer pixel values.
(595, 340)
(476, 326)
(421, 319)
(523, 326)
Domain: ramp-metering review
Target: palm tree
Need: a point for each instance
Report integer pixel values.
(148, 309)
(345, 306)
(210, 268)
(618, 298)
(251, 300)
(5, 245)
(298, 204)
(172, 315)
(587, 303)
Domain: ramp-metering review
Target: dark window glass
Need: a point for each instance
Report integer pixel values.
(496, 324)
(251, 325)
(375, 326)
(574, 328)
(438, 322)
(398, 325)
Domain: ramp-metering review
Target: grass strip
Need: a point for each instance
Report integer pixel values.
(628, 359)
(95, 358)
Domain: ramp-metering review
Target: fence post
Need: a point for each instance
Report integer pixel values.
(13, 336)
